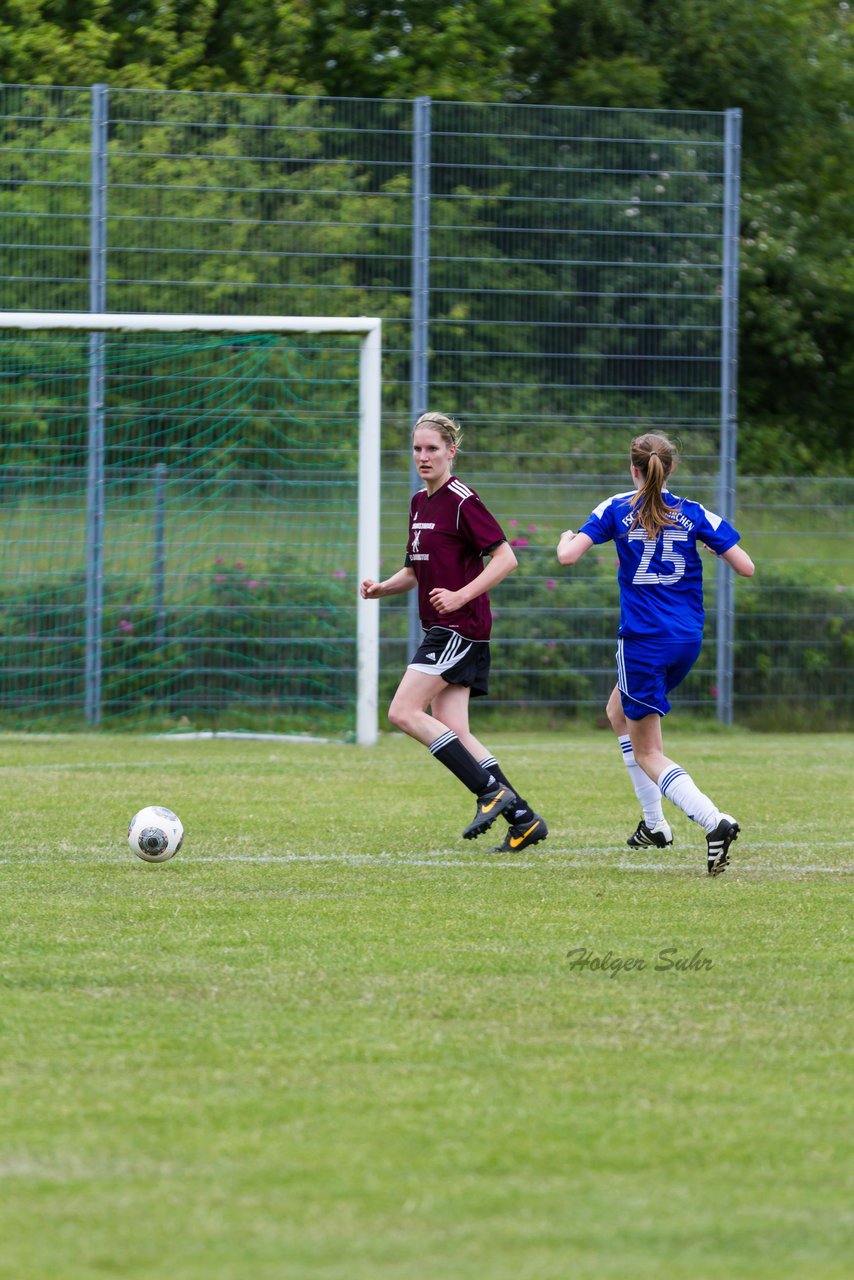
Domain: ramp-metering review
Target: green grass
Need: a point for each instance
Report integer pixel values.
(827, 555)
(50, 538)
(330, 1039)
(52, 542)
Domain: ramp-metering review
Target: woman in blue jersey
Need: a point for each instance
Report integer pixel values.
(658, 538)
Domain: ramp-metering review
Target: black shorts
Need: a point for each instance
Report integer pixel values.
(457, 660)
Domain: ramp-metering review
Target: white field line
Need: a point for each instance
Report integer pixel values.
(483, 864)
(440, 860)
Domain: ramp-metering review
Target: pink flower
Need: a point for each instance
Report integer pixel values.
(238, 564)
(532, 528)
(552, 644)
(340, 573)
(518, 542)
(125, 626)
(550, 584)
(219, 560)
(251, 583)
(513, 524)
(714, 691)
(219, 577)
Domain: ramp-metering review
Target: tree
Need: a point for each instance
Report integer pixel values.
(232, 45)
(786, 63)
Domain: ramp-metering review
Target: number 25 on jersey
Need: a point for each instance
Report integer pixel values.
(644, 576)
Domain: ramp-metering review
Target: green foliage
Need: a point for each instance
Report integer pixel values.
(786, 63)
(278, 647)
(178, 400)
(791, 659)
(448, 49)
(179, 44)
(794, 644)
(797, 318)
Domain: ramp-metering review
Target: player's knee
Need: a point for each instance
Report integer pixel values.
(614, 712)
(393, 714)
(399, 715)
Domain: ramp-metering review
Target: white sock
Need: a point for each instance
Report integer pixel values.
(681, 790)
(645, 789)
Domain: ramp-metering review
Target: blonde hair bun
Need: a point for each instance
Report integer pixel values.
(447, 428)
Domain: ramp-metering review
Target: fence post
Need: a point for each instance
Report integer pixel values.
(160, 472)
(729, 421)
(95, 478)
(419, 379)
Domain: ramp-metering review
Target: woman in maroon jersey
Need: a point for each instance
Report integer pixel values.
(450, 531)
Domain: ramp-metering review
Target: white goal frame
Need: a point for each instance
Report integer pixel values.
(369, 330)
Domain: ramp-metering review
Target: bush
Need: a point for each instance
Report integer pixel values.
(275, 644)
(280, 648)
(794, 645)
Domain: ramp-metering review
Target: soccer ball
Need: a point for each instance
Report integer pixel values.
(155, 833)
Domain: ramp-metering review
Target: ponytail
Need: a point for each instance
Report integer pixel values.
(655, 457)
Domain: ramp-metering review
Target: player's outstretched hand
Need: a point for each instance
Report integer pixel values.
(370, 590)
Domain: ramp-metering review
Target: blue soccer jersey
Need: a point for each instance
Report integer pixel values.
(661, 581)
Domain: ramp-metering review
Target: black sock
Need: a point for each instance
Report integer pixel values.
(450, 752)
(521, 811)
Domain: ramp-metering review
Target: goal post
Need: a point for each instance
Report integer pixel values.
(97, 326)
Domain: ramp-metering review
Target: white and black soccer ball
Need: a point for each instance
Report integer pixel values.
(155, 833)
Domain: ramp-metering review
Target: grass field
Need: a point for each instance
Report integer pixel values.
(50, 541)
(333, 1040)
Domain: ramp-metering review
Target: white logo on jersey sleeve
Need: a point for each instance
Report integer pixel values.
(714, 520)
(599, 511)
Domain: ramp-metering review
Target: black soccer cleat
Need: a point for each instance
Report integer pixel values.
(522, 835)
(659, 835)
(489, 806)
(719, 841)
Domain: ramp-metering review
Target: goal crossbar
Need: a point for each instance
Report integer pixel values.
(131, 321)
(369, 331)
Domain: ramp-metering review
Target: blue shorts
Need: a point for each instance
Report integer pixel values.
(648, 669)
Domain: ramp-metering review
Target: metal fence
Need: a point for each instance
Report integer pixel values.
(556, 278)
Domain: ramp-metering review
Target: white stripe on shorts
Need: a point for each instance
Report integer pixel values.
(622, 680)
(621, 667)
(449, 657)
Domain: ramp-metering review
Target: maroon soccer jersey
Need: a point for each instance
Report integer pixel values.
(449, 534)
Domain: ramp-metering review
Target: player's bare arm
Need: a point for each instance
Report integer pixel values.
(403, 580)
(502, 561)
(572, 546)
(738, 558)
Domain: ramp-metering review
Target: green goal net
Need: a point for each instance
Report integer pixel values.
(184, 525)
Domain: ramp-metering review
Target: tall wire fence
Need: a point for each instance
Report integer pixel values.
(555, 278)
